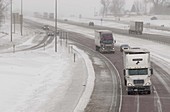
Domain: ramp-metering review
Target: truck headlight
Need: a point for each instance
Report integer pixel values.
(129, 84)
(148, 83)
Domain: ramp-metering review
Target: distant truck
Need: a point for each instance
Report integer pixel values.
(104, 41)
(36, 14)
(136, 27)
(137, 71)
(51, 15)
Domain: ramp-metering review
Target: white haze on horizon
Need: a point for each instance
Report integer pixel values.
(65, 7)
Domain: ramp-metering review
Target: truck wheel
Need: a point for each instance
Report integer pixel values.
(149, 92)
(129, 93)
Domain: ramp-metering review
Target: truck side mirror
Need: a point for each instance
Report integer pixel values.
(151, 71)
(124, 72)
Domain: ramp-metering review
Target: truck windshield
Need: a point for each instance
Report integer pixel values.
(143, 71)
(107, 38)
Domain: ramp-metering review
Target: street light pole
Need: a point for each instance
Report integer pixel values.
(11, 20)
(55, 26)
(21, 17)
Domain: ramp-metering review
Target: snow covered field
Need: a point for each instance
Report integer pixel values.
(42, 80)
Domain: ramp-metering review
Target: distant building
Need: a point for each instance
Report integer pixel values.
(167, 3)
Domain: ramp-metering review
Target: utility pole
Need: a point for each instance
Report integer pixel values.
(55, 26)
(21, 16)
(11, 20)
(14, 16)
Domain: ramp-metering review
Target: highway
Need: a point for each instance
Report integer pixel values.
(157, 101)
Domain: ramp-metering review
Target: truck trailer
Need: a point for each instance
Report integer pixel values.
(104, 41)
(136, 27)
(137, 71)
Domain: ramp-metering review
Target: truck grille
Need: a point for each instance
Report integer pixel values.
(138, 81)
(108, 47)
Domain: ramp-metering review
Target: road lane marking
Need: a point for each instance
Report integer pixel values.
(138, 106)
(159, 105)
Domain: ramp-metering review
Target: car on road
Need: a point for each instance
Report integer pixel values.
(46, 27)
(91, 23)
(154, 18)
(65, 19)
(124, 46)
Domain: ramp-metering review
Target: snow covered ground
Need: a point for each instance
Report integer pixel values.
(42, 80)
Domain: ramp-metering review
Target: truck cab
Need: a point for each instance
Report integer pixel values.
(104, 41)
(137, 71)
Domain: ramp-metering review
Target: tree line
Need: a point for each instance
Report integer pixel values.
(117, 7)
(3, 10)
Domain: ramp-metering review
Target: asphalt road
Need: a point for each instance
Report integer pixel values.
(106, 94)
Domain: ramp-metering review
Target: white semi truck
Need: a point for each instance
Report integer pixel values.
(137, 71)
(104, 41)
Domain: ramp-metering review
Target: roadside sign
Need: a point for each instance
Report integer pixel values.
(16, 18)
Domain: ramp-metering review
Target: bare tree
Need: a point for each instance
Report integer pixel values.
(158, 4)
(145, 5)
(105, 8)
(139, 6)
(3, 4)
(116, 6)
(3, 8)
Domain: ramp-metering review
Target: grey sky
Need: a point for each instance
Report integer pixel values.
(65, 7)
